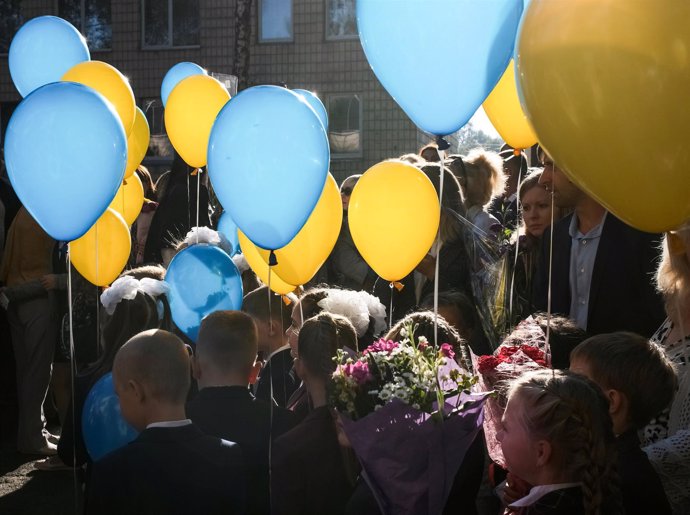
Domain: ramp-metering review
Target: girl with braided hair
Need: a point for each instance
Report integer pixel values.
(309, 474)
(557, 436)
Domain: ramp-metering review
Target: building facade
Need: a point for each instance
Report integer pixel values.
(306, 44)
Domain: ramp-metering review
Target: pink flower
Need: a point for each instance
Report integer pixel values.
(422, 345)
(381, 346)
(447, 350)
(358, 370)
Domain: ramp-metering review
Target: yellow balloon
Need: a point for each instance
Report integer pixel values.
(300, 259)
(503, 108)
(110, 83)
(256, 262)
(129, 199)
(605, 84)
(191, 109)
(393, 215)
(137, 142)
(102, 253)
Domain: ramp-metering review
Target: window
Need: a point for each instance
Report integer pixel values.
(160, 148)
(345, 126)
(92, 18)
(170, 23)
(10, 21)
(275, 21)
(341, 19)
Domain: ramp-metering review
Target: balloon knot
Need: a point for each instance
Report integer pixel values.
(195, 172)
(272, 259)
(397, 285)
(517, 151)
(442, 143)
(286, 300)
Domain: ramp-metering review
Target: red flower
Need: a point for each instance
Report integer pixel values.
(487, 364)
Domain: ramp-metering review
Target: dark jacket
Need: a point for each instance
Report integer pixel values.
(622, 295)
(308, 470)
(641, 487)
(169, 471)
(232, 413)
(278, 370)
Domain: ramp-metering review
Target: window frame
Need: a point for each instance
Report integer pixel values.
(172, 45)
(326, 24)
(360, 152)
(82, 15)
(259, 34)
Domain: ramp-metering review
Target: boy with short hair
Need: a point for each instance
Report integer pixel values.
(171, 467)
(225, 353)
(640, 382)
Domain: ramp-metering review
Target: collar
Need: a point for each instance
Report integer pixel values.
(170, 423)
(595, 232)
(538, 492)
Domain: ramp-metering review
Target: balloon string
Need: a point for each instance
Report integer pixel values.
(438, 248)
(547, 347)
(198, 187)
(390, 313)
(73, 373)
(96, 251)
(189, 200)
(270, 308)
(518, 224)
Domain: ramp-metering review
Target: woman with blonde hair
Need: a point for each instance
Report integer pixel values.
(481, 178)
(667, 437)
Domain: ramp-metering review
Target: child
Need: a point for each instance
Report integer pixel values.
(309, 473)
(171, 467)
(225, 353)
(272, 325)
(639, 382)
(557, 437)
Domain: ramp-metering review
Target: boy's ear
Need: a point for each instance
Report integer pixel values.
(617, 401)
(138, 390)
(543, 452)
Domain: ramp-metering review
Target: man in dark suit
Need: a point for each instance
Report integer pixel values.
(224, 407)
(602, 269)
(171, 467)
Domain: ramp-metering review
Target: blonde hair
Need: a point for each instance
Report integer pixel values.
(572, 414)
(673, 274)
(487, 167)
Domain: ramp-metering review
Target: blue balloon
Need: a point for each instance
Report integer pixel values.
(461, 55)
(203, 279)
(43, 50)
(102, 424)
(175, 75)
(316, 105)
(268, 160)
(228, 228)
(66, 152)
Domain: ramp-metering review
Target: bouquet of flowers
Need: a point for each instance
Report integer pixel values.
(522, 351)
(410, 418)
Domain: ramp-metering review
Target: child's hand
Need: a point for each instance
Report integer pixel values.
(515, 489)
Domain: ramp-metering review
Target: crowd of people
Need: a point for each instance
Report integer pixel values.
(240, 421)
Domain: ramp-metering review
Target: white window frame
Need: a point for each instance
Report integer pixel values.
(260, 36)
(360, 152)
(144, 46)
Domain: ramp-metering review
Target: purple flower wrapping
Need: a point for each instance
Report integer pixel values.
(409, 457)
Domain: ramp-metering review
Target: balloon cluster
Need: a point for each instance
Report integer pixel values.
(72, 146)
